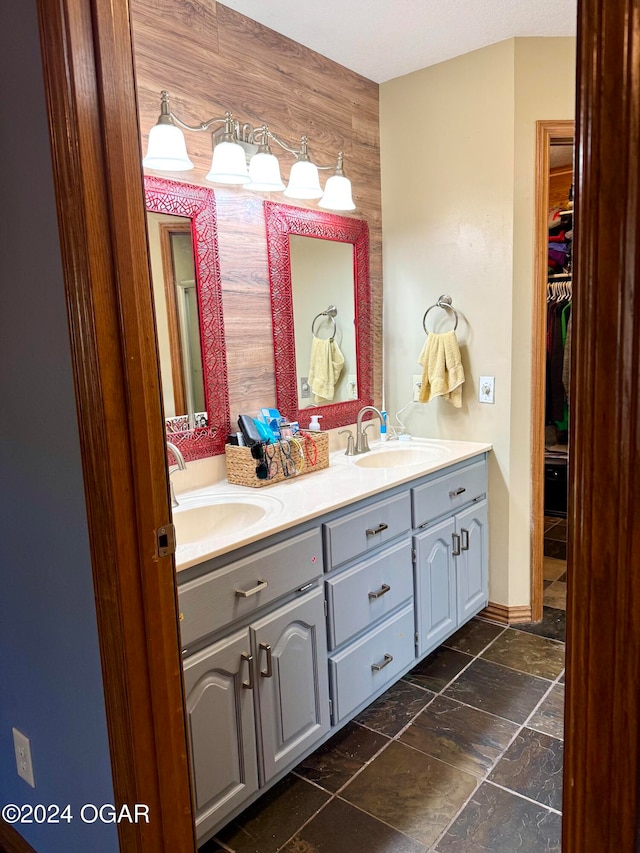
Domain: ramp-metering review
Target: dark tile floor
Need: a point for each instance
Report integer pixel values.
(463, 754)
(555, 537)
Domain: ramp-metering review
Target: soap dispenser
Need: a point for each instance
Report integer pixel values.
(314, 426)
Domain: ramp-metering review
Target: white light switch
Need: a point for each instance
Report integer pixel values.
(22, 746)
(487, 386)
(417, 385)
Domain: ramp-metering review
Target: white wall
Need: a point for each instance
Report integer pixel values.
(457, 153)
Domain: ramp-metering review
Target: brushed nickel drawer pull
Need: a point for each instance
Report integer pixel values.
(465, 539)
(456, 544)
(245, 593)
(383, 589)
(376, 667)
(457, 492)
(268, 672)
(306, 586)
(373, 531)
(249, 659)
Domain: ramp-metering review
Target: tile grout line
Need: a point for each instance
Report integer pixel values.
(479, 780)
(396, 738)
(527, 799)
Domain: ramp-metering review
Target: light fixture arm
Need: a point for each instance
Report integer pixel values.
(286, 147)
(339, 168)
(167, 116)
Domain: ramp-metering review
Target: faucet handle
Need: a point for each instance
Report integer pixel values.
(365, 437)
(350, 451)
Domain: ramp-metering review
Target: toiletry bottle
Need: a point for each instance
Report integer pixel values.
(314, 426)
(383, 427)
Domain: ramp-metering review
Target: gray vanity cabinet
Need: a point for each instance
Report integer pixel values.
(472, 561)
(450, 554)
(221, 722)
(320, 621)
(435, 580)
(258, 698)
(369, 592)
(290, 648)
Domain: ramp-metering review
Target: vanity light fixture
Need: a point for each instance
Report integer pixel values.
(235, 145)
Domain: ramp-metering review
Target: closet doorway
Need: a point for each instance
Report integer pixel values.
(551, 300)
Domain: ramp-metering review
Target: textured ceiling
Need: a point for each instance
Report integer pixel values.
(383, 39)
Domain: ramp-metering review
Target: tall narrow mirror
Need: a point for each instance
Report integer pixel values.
(188, 302)
(321, 309)
(322, 290)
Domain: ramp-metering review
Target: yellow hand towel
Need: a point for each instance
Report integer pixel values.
(443, 374)
(325, 367)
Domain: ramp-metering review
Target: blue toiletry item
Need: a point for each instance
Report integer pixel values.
(265, 431)
(383, 427)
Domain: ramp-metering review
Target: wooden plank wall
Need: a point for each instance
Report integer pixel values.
(211, 59)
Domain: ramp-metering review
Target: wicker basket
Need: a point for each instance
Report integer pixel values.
(241, 466)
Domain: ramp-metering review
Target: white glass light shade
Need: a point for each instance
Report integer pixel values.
(229, 165)
(337, 194)
(264, 171)
(166, 150)
(303, 181)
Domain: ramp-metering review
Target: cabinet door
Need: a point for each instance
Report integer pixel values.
(290, 647)
(221, 725)
(473, 591)
(435, 576)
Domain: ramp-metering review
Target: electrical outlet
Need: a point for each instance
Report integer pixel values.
(352, 385)
(486, 389)
(22, 746)
(417, 385)
(305, 390)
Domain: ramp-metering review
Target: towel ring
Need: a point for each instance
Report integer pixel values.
(443, 302)
(330, 313)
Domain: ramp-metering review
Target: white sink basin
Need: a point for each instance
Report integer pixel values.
(211, 518)
(401, 457)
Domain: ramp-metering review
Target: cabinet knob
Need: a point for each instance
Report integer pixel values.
(379, 593)
(456, 544)
(245, 593)
(268, 672)
(376, 667)
(373, 531)
(249, 660)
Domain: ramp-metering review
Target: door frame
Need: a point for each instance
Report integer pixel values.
(602, 715)
(546, 133)
(89, 77)
(88, 69)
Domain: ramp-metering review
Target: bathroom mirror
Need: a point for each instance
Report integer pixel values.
(181, 224)
(319, 261)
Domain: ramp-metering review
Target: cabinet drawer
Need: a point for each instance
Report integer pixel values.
(371, 662)
(366, 593)
(448, 493)
(241, 588)
(361, 531)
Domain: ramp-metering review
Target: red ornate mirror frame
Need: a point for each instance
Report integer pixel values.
(282, 220)
(198, 205)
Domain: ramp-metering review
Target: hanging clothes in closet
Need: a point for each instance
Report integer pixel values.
(559, 319)
(558, 354)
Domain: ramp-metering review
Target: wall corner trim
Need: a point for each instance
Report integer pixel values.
(506, 615)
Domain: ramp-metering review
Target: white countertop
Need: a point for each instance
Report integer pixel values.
(299, 499)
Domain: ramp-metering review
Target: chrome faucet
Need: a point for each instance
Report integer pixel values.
(362, 442)
(180, 465)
